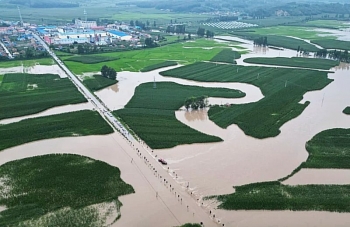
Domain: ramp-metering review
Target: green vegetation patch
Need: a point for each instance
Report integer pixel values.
(80, 123)
(22, 94)
(150, 113)
(26, 63)
(98, 82)
(158, 66)
(313, 63)
(226, 56)
(329, 149)
(347, 110)
(191, 225)
(283, 90)
(332, 44)
(276, 196)
(91, 59)
(60, 186)
(279, 41)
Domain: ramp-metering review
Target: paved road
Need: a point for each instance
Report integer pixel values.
(100, 106)
(6, 50)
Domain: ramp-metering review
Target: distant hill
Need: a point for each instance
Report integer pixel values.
(44, 3)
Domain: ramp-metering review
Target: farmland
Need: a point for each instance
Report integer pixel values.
(136, 60)
(150, 113)
(279, 41)
(98, 82)
(158, 66)
(23, 94)
(80, 123)
(58, 190)
(283, 90)
(91, 59)
(312, 63)
(26, 63)
(332, 44)
(226, 56)
(329, 149)
(276, 196)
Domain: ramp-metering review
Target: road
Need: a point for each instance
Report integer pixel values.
(169, 207)
(100, 106)
(6, 50)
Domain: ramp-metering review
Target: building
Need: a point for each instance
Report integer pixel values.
(85, 24)
(119, 35)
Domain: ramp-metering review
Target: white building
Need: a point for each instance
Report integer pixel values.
(85, 24)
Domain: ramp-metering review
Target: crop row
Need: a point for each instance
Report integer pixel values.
(23, 94)
(91, 59)
(283, 90)
(98, 82)
(41, 185)
(227, 56)
(158, 66)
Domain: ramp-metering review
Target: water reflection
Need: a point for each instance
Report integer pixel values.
(196, 115)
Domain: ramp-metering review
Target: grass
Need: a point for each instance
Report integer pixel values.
(98, 82)
(91, 59)
(347, 110)
(329, 149)
(158, 66)
(80, 123)
(283, 90)
(60, 187)
(22, 94)
(335, 24)
(136, 60)
(1, 78)
(226, 56)
(26, 63)
(332, 44)
(313, 63)
(191, 225)
(275, 196)
(279, 41)
(150, 113)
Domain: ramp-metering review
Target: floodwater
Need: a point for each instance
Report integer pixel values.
(341, 34)
(320, 176)
(51, 111)
(165, 210)
(36, 69)
(118, 95)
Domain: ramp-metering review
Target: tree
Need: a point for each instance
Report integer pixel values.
(132, 23)
(80, 49)
(201, 32)
(104, 71)
(147, 23)
(154, 24)
(298, 49)
(189, 35)
(108, 72)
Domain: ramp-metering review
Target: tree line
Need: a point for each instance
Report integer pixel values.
(196, 103)
(334, 54)
(108, 72)
(261, 41)
(201, 32)
(176, 28)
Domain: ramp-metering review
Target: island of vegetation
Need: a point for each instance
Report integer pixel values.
(60, 190)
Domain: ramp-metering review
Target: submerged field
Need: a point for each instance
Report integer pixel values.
(283, 90)
(59, 190)
(22, 94)
(80, 123)
(276, 196)
(151, 113)
(312, 63)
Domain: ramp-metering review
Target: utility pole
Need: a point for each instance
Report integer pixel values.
(20, 16)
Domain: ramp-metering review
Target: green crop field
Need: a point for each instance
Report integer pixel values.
(283, 90)
(91, 59)
(150, 113)
(80, 123)
(226, 56)
(347, 110)
(58, 190)
(26, 63)
(1, 78)
(98, 82)
(327, 24)
(22, 94)
(278, 40)
(158, 66)
(191, 225)
(275, 196)
(313, 63)
(329, 149)
(136, 60)
(332, 44)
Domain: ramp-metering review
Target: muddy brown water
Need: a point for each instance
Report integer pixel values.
(36, 69)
